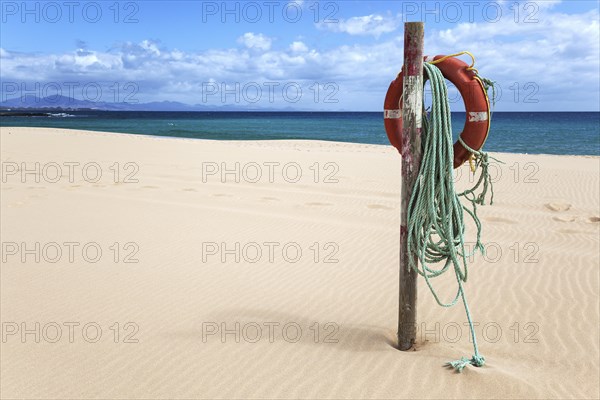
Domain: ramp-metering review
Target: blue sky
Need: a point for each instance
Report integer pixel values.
(319, 55)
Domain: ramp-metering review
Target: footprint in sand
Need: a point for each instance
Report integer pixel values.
(378, 207)
(573, 231)
(565, 218)
(558, 206)
(593, 220)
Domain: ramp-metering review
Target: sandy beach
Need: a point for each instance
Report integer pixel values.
(145, 267)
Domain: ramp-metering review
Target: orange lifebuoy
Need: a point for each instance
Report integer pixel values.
(477, 107)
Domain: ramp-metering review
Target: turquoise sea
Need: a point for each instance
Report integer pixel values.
(515, 132)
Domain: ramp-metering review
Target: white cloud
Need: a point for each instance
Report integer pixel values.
(373, 25)
(298, 47)
(150, 47)
(255, 41)
(559, 55)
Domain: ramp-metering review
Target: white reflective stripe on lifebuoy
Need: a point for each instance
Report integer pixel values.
(478, 116)
(429, 58)
(392, 114)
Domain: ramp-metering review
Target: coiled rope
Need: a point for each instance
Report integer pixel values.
(436, 225)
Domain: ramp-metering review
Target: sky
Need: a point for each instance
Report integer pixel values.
(306, 55)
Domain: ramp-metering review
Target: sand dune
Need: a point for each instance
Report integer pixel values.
(284, 284)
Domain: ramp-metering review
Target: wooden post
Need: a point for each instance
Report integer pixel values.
(412, 108)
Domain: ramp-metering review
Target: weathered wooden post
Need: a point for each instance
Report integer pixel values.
(411, 161)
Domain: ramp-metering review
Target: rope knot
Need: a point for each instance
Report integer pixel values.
(459, 365)
(478, 361)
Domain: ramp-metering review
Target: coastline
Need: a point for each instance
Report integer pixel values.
(573, 133)
(266, 141)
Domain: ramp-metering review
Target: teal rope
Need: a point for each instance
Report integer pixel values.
(436, 223)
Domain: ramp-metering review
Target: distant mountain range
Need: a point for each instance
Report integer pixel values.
(69, 104)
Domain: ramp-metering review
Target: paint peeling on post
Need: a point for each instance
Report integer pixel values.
(411, 161)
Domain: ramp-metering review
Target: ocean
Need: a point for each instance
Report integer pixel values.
(513, 132)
